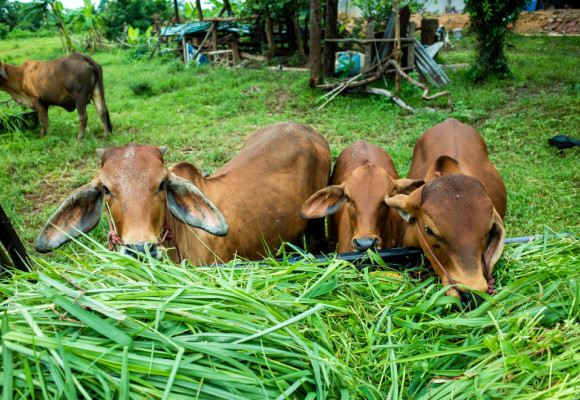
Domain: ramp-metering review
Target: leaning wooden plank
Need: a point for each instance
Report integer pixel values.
(12, 243)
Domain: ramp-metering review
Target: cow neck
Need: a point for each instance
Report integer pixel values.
(490, 280)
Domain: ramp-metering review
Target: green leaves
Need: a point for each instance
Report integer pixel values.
(491, 20)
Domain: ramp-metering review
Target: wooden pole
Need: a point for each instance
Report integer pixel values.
(397, 52)
(214, 37)
(315, 42)
(199, 10)
(411, 46)
(176, 12)
(330, 32)
(370, 35)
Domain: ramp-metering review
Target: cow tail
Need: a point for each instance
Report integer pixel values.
(99, 93)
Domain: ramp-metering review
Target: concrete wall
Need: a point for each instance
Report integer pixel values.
(444, 6)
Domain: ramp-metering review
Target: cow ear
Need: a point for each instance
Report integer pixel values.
(188, 205)
(407, 186)
(80, 213)
(444, 165)
(325, 202)
(495, 242)
(407, 206)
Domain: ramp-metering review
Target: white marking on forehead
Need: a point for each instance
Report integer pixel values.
(132, 181)
(130, 152)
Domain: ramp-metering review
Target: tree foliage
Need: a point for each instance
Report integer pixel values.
(84, 20)
(135, 13)
(8, 14)
(491, 21)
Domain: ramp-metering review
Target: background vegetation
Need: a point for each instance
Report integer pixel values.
(392, 334)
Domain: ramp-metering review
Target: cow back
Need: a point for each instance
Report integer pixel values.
(464, 144)
(259, 192)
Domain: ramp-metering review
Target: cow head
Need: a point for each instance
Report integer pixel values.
(137, 189)
(363, 192)
(461, 227)
(2, 74)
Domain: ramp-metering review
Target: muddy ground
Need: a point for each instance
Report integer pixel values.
(565, 21)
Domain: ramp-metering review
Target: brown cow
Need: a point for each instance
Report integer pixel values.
(364, 174)
(258, 193)
(69, 82)
(456, 217)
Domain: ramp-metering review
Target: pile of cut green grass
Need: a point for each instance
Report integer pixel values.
(102, 325)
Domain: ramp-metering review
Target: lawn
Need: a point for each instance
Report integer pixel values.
(310, 332)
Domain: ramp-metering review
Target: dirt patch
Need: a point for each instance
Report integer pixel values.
(277, 105)
(566, 21)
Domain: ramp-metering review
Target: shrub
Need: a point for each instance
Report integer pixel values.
(141, 88)
(491, 21)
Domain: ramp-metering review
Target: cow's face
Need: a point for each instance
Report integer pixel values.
(133, 181)
(3, 76)
(362, 194)
(461, 227)
(136, 188)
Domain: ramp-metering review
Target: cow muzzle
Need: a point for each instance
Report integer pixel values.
(140, 250)
(366, 243)
(469, 300)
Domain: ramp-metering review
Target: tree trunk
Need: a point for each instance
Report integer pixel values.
(315, 42)
(176, 11)
(67, 40)
(291, 31)
(330, 32)
(298, 33)
(270, 36)
(199, 10)
(428, 28)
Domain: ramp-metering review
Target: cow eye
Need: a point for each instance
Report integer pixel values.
(429, 232)
(161, 186)
(347, 198)
(106, 190)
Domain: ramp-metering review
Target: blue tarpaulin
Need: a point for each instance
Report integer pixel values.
(181, 30)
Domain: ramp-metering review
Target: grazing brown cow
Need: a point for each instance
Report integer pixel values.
(69, 82)
(364, 174)
(456, 217)
(258, 193)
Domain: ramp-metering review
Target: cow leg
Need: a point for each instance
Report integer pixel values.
(42, 111)
(82, 109)
(315, 234)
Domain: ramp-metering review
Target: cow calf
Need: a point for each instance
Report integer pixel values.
(358, 217)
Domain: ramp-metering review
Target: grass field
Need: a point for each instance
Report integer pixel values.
(169, 331)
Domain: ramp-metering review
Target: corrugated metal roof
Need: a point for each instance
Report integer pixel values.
(180, 30)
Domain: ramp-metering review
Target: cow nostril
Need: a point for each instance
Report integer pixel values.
(363, 244)
(470, 300)
(141, 249)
